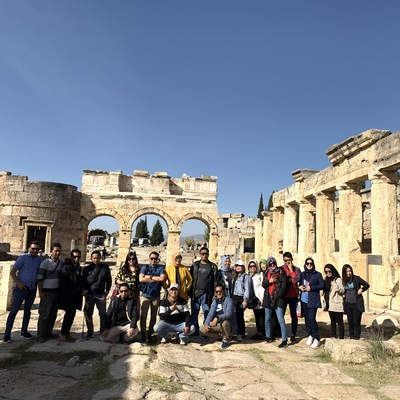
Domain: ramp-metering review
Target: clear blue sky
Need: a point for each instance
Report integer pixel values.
(248, 91)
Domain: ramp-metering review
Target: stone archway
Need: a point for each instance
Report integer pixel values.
(127, 197)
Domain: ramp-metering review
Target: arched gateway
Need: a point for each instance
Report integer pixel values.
(128, 197)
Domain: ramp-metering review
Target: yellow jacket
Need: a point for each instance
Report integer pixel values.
(184, 275)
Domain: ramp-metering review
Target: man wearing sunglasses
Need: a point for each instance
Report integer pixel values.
(121, 318)
(151, 276)
(221, 319)
(24, 274)
(204, 273)
(71, 292)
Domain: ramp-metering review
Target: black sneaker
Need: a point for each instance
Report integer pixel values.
(26, 335)
(283, 345)
(292, 339)
(88, 336)
(7, 339)
(268, 340)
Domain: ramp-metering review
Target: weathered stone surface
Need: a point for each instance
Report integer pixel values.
(348, 351)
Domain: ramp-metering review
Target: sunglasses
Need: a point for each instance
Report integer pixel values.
(272, 264)
(204, 254)
(218, 291)
(328, 271)
(309, 263)
(153, 258)
(123, 291)
(76, 256)
(35, 248)
(132, 258)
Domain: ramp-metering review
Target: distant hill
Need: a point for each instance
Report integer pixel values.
(197, 238)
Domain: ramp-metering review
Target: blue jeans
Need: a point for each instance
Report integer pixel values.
(280, 314)
(196, 303)
(164, 328)
(18, 298)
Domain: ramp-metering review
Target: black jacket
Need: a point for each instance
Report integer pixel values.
(278, 292)
(71, 286)
(97, 280)
(212, 280)
(358, 282)
(131, 312)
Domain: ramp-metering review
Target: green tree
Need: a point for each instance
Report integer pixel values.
(207, 234)
(157, 235)
(260, 207)
(141, 229)
(189, 242)
(270, 202)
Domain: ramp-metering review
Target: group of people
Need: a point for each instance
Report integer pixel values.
(223, 294)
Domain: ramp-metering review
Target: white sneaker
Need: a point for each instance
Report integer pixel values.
(183, 342)
(163, 340)
(315, 344)
(309, 341)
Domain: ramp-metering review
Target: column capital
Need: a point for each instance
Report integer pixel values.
(349, 186)
(324, 195)
(390, 177)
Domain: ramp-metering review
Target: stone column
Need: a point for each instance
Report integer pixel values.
(290, 229)
(384, 230)
(384, 222)
(325, 227)
(213, 246)
(6, 285)
(173, 245)
(267, 234)
(124, 245)
(306, 246)
(351, 216)
(277, 231)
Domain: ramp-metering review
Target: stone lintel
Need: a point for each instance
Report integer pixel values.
(301, 174)
(353, 145)
(161, 175)
(140, 172)
(207, 178)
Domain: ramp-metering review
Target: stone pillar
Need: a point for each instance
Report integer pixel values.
(290, 229)
(277, 231)
(6, 285)
(306, 246)
(384, 230)
(124, 245)
(351, 216)
(258, 238)
(173, 245)
(213, 247)
(267, 234)
(325, 227)
(384, 222)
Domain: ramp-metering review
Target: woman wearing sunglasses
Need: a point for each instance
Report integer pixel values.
(310, 284)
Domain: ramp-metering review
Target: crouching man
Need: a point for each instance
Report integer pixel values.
(221, 318)
(175, 317)
(121, 318)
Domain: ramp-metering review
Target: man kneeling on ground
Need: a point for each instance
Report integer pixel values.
(221, 318)
(121, 318)
(175, 317)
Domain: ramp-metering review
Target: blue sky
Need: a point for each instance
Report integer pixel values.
(248, 91)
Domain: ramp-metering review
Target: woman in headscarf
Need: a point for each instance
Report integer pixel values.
(354, 286)
(177, 273)
(334, 300)
(259, 312)
(310, 284)
(225, 275)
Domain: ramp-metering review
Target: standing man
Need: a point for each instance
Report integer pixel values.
(71, 291)
(121, 318)
(221, 318)
(292, 292)
(204, 274)
(174, 316)
(24, 274)
(177, 273)
(48, 285)
(97, 283)
(151, 276)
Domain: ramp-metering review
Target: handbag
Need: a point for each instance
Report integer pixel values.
(115, 291)
(253, 302)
